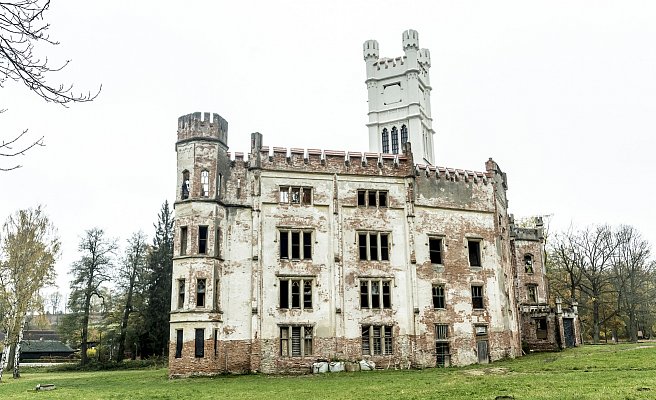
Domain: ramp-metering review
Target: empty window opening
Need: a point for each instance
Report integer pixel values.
(375, 293)
(179, 336)
(474, 247)
(373, 246)
(183, 240)
(202, 240)
(296, 245)
(295, 293)
(377, 340)
(205, 183)
(435, 250)
(395, 140)
(181, 293)
(185, 185)
(199, 345)
(295, 195)
(404, 134)
(385, 138)
(295, 341)
(372, 198)
(541, 328)
(528, 264)
(200, 292)
(438, 296)
(532, 293)
(477, 297)
(216, 342)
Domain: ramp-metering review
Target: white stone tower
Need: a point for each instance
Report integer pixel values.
(399, 100)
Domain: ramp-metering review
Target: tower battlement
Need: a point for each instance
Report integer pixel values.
(203, 125)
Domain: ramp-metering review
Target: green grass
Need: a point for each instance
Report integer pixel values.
(592, 372)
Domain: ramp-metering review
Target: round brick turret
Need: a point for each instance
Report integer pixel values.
(199, 126)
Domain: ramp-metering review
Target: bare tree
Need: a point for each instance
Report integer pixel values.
(89, 273)
(29, 249)
(22, 27)
(131, 280)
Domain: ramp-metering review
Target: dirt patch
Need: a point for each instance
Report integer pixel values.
(487, 371)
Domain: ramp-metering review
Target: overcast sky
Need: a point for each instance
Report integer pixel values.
(562, 94)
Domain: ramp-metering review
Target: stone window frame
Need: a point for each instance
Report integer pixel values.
(199, 343)
(541, 334)
(377, 339)
(303, 282)
(186, 185)
(383, 253)
(404, 135)
(385, 140)
(181, 293)
(481, 330)
(184, 240)
(442, 348)
(436, 296)
(303, 233)
(295, 195)
(204, 183)
(395, 140)
(441, 239)
(529, 264)
(475, 304)
(179, 341)
(475, 245)
(203, 240)
(201, 292)
(532, 293)
(382, 300)
(305, 342)
(379, 198)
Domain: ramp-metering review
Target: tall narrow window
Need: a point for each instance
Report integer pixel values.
(205, 183)
(541, 328)
(395, 140)
(181, 293)
(362, 197)
(283, 194)
(185, 185)
(532, 293)
(202, 240)
(404, 134)
(216, 342)
(199, 343)
(435, 250)
(474, 247)
(385, 137)
(528, 264)
(442, 344)
(477, 297)
(179, 336)
(183, 240)
(200, 292)
(438, 296)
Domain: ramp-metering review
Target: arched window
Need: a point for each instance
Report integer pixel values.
(528, 263)
(404, 134)
(395, 140)
(185, 184)
(205, 183)
(385, 141)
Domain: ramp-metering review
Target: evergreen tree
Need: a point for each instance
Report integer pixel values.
(160, 266)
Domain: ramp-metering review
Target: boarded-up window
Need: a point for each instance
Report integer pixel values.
(199, 345)
(178, 342)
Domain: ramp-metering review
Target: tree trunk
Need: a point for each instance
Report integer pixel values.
(18, 350)
(595, 321)
(5, 355)
(85, 331)
(633, 335)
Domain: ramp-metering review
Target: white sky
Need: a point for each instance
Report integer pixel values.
(562, 94)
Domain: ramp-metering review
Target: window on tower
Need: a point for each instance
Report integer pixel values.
(395, 140)
(404, 134)
(385, 137)
(185, 185)
(205, 183)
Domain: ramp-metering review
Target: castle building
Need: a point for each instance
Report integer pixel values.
(289, 257)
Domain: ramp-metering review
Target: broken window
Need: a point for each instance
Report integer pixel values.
(395, 140)
(295, 195)
(372, 198)
(442, 344)
(528, 264)
(183, 240)
(199, 345)
(404, 134)
(200, 292)
(179, 336)
(435, 250)
(202, 240)
(296, 293)
(373, 246)
(298, 244)
(181, 293)
(205, 183)
(480, 330)
(295, 341)
(377, 340)
(541, 328)
(438, 296)
(532, 293)
(185, 185)
(385, 138)
(474, 247)
(375, 293)
(477, 297)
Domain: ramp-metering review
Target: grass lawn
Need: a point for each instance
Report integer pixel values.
(623, 372)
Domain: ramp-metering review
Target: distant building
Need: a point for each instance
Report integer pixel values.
(292, 256)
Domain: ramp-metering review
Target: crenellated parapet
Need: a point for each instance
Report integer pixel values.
(203, 126)
(452, 174)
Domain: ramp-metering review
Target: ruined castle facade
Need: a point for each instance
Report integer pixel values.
(287, 257)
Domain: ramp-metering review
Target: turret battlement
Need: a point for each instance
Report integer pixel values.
(410, 40)
(370, 50)
(423, 58)
(203, 125)
(452, 174)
